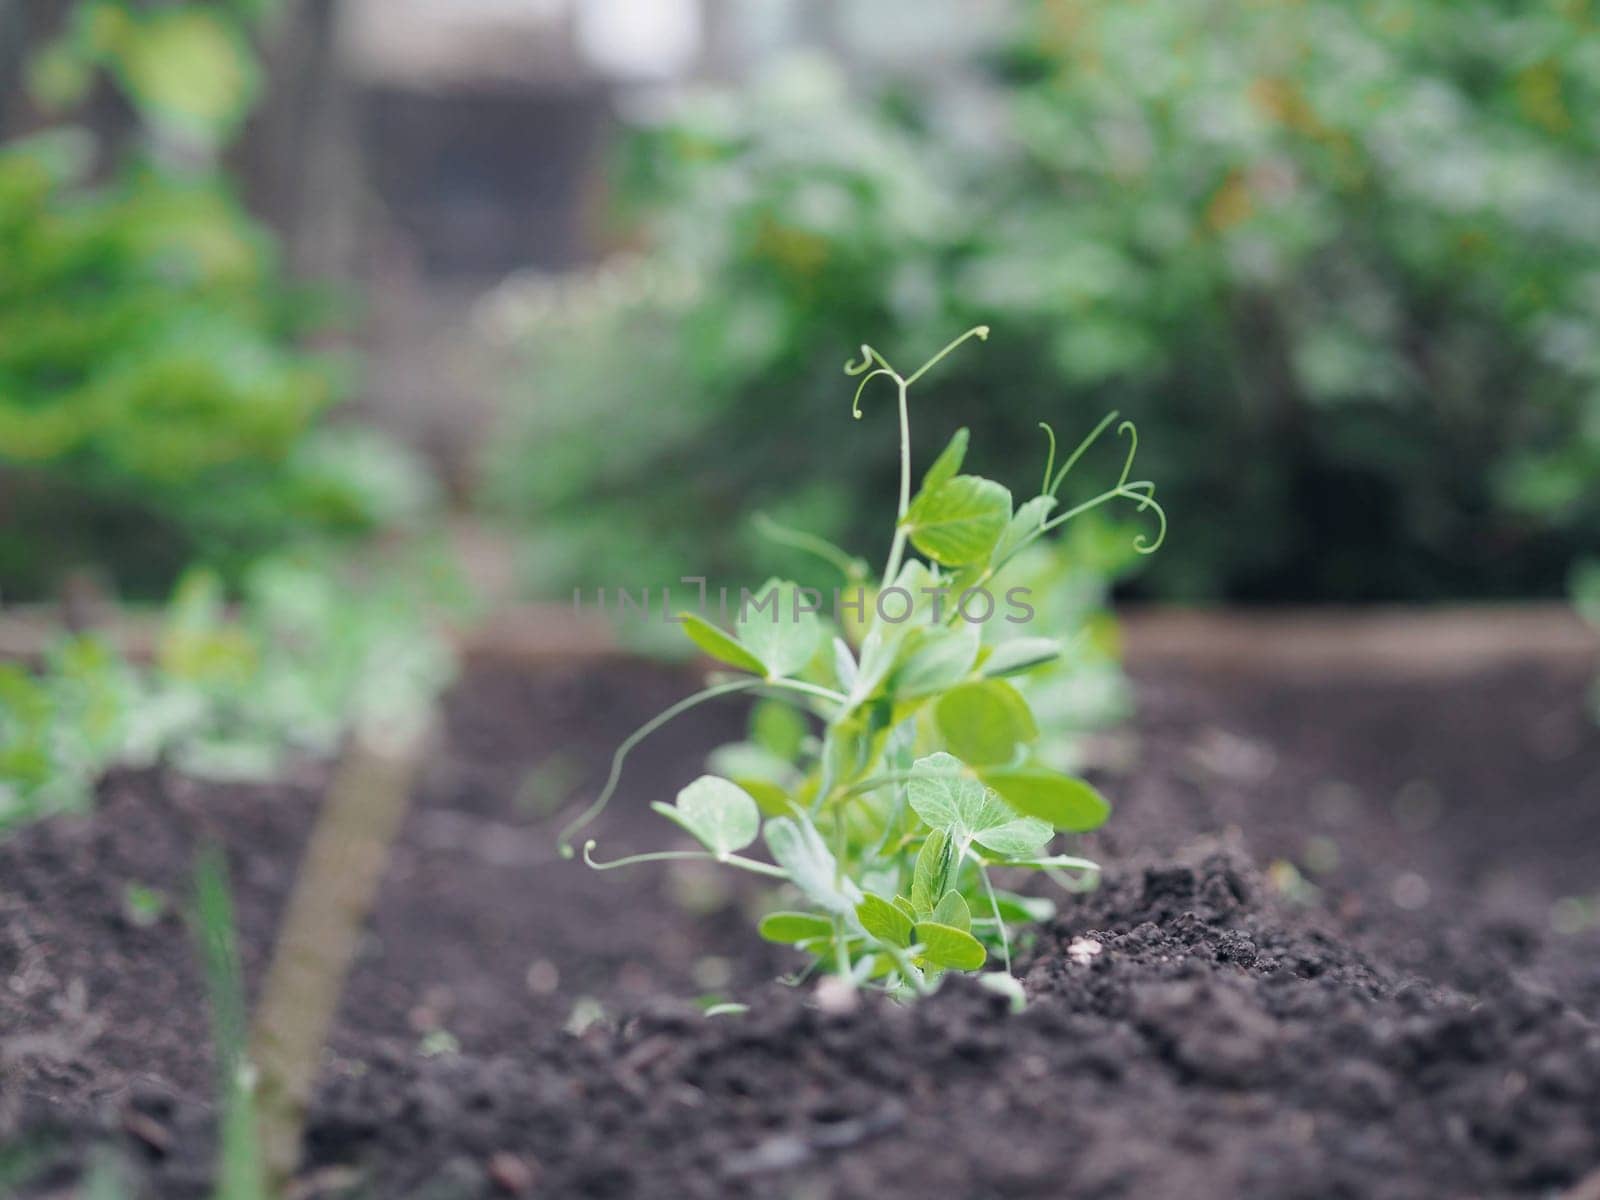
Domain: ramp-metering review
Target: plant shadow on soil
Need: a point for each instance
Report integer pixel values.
(1399, 1018)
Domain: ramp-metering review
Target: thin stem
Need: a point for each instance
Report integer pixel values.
(1125, 491)
(868, 357)
(1083, 446)
(855, 405)
(810, 543)
(902, 386)
(731, 860)
(1067, 883)
(913, 977)
(1050, 459)
(1047, 525)
(1121, 491)
(872, 783)
(893, 822)
(994, 905)
(891, 569)
(981, 332)
(638, 735)
(824, 777)
(808, 689)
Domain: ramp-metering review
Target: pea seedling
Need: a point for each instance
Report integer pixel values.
(887, 823)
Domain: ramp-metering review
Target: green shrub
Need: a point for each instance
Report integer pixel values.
(312, 647)
(1338, 260)
(156, 403)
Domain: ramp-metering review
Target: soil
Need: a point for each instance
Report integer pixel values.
(1347, 945)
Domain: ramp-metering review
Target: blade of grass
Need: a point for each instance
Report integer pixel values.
(239, 1166)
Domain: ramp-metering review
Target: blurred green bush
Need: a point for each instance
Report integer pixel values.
(312, 648)
(1340, 261)
(156, 404)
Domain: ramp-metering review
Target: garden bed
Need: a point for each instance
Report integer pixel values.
(1336, 953)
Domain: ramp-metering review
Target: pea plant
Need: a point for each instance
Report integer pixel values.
(892, 764)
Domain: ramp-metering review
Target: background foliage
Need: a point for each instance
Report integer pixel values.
(1341, 262)
(156, 404)
(312, 648)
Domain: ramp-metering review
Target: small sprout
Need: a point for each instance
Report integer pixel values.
(586, 1012)
(1287, 881)
(892, 758)
(438, 1043)
(143, 906)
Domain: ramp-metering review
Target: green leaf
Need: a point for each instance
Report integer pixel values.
(1062, 862)
(883, 642)
(1028, 518)
(930, 879)
(952, 910)
(947, 946)
(775, 627)
(60, 75)
(854, 744)
(960, 520)
(944, 795)
(739, 761)
(788, 928)
(799, 850)
(933, 658)
(1023, 910)
(1019, 655)
(878, 651)
(884, 921)
(906, 907)
(844, 666)
(1066, 803)
(985, 721)
(719, 645)
(190, 68)
(947, 464)
(876, 966)
(778, 728)
(771, 798)
(720, 813)
(1015, 839)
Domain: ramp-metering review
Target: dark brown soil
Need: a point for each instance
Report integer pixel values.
(1411, 1013)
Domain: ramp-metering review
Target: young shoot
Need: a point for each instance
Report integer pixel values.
(893, 765)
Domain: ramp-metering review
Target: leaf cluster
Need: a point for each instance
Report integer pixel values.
(893, 765)
(156, 403)
(1339, 268)
(231, 693)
